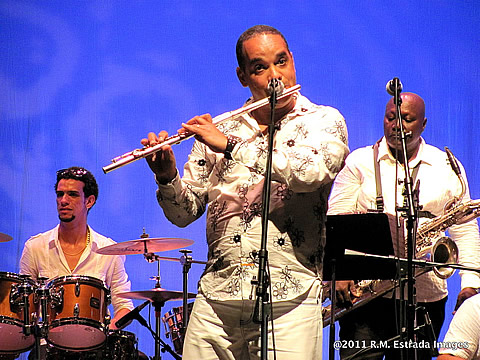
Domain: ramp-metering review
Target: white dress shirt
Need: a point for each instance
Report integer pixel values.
(463, 335)
(309, 150)
(354, 191)
(43, 257)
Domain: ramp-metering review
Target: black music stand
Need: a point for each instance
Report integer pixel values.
(366, 233)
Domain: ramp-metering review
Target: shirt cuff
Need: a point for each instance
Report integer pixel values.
(170, 183)
(470, 280)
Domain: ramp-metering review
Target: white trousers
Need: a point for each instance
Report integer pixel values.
(224, 330)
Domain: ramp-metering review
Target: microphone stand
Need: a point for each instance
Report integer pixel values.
(408, 322)
(262, 311)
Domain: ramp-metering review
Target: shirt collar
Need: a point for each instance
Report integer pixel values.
(421, 157)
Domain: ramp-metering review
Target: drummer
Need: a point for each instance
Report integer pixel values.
(69, 248)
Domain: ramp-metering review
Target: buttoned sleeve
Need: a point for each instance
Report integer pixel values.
(184, 200)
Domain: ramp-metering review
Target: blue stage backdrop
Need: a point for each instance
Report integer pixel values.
(83, 81)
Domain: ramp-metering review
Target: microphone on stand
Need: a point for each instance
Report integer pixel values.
(134, 314)
(390, 87)
(275, 86)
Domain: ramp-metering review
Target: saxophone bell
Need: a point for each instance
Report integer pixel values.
(444, 251)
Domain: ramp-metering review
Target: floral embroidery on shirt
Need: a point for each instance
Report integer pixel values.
(288, 282)
(339, 131)
(233, 192)
(249, 213)
(327, 159)
(225, 168)
(296, 235)
(218, 262)
(203, 171)
(301, 165)
(229, 127)
(316, 257)
(262, 147)
(280, 242)
(300, 132)
(254, 172)
(236, 238)
(189, 200)
(215, 211)
(242, 191)
(233, 287)
(283, 192)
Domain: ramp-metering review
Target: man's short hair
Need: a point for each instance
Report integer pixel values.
(250, 33)
(81, 174)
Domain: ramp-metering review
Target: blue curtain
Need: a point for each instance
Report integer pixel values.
(83, 81)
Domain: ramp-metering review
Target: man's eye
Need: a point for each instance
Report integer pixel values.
(258, 68)
(282, 61)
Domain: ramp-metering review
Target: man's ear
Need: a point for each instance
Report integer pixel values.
(90, 201)
(241, 76)
(424, 123)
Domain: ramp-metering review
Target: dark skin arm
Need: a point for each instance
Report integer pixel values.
(464, 295)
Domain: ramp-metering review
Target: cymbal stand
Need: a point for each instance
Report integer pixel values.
(186, 261)
(156, 304)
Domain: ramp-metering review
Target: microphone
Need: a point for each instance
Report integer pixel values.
(275, 86)
(390, 87)
(131, 315)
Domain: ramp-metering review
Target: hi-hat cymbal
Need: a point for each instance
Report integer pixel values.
(5, 237)
(155, 295)
(142, 246)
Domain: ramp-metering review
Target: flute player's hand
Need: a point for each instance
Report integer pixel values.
(162, 162)
(206, 132)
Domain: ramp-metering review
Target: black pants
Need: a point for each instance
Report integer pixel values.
(377, 321)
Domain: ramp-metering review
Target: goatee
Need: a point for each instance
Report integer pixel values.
(67, 220)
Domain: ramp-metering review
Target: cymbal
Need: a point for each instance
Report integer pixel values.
(5, 237)
(155, 295)
(142, 246)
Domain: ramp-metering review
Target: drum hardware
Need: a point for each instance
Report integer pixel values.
(20, 298)
(17, 313)
(176, 326)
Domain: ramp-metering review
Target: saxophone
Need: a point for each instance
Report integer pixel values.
(431, 245)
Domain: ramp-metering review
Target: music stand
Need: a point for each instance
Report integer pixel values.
(367, 233)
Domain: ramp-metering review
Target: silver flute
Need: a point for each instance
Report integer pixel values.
(137, 154)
